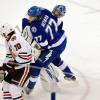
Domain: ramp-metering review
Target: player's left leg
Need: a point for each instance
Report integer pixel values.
(16, 80)
(35, 71)
(65, 68)
(6, 93)
(11, 91)
(16, 92)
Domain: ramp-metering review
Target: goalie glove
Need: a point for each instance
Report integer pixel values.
(35, 45)
(36, 50)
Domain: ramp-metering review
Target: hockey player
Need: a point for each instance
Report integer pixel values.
(59, 11)
(16, 63)
(45, 31)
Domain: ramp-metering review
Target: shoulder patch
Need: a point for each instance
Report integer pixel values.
(13, 38)
(34, 29)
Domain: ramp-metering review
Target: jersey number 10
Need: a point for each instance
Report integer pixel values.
(17, 46)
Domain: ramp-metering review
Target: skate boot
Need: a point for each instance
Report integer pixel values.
(68, 74)
(70, 77)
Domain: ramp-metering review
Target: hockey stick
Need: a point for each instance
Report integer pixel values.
(17, 27)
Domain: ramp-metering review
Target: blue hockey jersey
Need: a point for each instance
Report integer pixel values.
(59, 25)
(46, 31)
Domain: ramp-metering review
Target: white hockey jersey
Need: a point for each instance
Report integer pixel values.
(19, 50)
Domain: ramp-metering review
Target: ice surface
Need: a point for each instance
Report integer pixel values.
(82, 26)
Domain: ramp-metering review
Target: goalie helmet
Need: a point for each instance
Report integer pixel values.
(5, 29)
(34, 11)
(60, 8)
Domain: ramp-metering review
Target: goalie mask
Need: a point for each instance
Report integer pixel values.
(59, 10)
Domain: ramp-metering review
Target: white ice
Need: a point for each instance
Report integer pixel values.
(82, 27)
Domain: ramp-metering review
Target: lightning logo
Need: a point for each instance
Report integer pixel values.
(48, 56)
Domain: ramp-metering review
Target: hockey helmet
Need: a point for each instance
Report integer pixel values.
(34, 11)
(5, 29)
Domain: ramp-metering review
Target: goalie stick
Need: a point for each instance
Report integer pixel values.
(17, 27)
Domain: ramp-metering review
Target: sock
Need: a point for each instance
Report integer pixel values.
(32, 82)
(34, 75)
(7, 96)
(65, 69)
